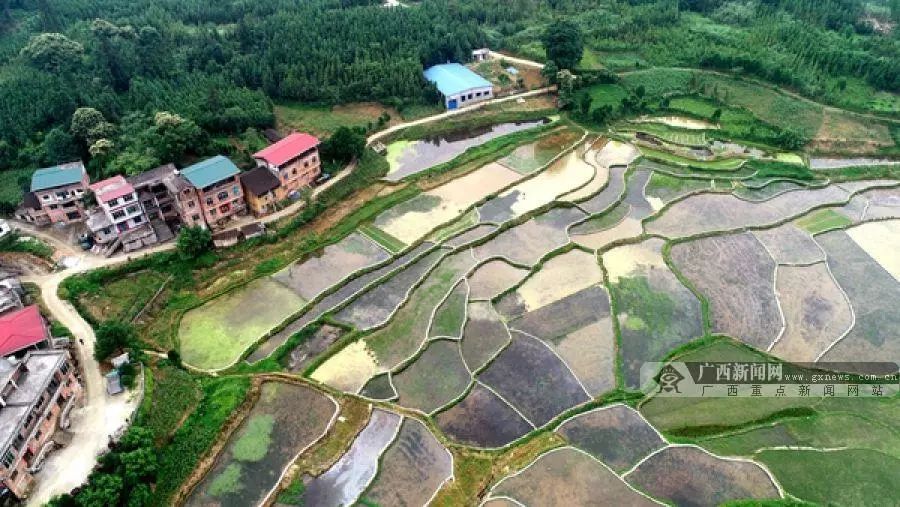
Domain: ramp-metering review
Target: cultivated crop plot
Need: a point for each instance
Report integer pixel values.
(612, 192)
(568, 477)
(435, 378)
(525, 244)
(789, 244)
(483, 419)
(284, 421)
(334, 263)
(558, 277)
(688, 475)
(493, 277)
(873, 293)
(484, 336)
(656, 313)
(737, 275)
(616, 435)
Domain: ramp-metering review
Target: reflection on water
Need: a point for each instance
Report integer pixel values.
(419, 155)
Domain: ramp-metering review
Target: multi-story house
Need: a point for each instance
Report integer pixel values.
(208, 193)
(36, 395)
(154, 195)
(119, 217)
(60, 191)
(23, 329)
(294, 160)
(31, 210)
(260, 186)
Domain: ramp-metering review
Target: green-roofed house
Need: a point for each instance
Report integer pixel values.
(208, 193)
(59, 191)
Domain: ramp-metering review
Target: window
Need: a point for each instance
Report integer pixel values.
(212, 213)
(221, 196)
(132, 210)
(54, 206)
(209, 201)
(478, 94)
(294, 171)
(462, 98)
(195, 218)
(236, 190)
(17, 443)
(54, 384)
(64, 368)
(8, 459)
(128, 197)
(470, 96)
(118, 214)
(122, 227)
(138, 219)
(190, 204)
(62, 195)
(46, 197)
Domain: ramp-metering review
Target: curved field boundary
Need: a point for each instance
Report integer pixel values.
(558, 449)
(726, 458)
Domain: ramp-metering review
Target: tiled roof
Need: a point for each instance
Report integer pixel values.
(453, 78)
(210, 171)
(21, 329)
(288, 148)
(57, 176)
(259, 181)
(111, 188)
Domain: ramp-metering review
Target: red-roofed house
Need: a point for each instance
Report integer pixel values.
(23, 329)
(120, 217)
(294, 160)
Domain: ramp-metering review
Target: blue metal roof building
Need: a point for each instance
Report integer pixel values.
(210, 171)
(57, 176)
(459, 85)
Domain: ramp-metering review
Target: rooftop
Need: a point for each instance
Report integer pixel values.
(259, 181)
(111, 188)
(40, 366)
(210, 171)
(57, 176)
(153, 176)
(453, 78)
(288, 148)
(21, 329)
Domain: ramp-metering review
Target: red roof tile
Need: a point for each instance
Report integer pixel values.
(288, 148)
(111, 188)
(21, 329)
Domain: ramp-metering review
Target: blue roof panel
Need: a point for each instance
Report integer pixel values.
(210, 171)
(453, 78)
(57, 176)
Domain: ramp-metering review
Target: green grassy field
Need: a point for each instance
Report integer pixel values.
(823, 220)
(684, 137)
(215, 335)
(324, 120)
(725, 164)
(606, 95)
(11, 184)
(384, 239)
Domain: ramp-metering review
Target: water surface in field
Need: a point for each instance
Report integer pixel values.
(410, 157)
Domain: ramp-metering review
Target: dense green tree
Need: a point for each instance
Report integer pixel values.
(113, 335)
(563, 43)
(193, 242)
(104, 489)
(52, 52)
(344, 145)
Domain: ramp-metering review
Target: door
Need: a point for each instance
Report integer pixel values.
(452, 104)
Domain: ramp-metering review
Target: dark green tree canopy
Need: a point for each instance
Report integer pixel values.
(563, 43)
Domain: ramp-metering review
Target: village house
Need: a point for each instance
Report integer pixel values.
(119, 218)
(58, 191)
(460, 86)
(155, 196)
(208, 193)
(31, 211)
(37, 394)
(294, 161)
(260, 185)
(23, 329)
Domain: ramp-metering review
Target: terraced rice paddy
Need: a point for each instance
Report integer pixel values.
(531, 310)
(284, 421)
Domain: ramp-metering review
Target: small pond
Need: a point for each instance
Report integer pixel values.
(410, 157)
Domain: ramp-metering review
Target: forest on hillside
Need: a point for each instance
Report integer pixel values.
(214, 69)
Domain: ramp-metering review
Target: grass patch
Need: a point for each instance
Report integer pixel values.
(227, 482)
(255, 440)
(606, 95)
(470, 219)
(122, 298)
(324, 120)
(669, 134)
(221, 397)
(214, 335)
(15, 242)
(173, 394)
(725, 164)
(848, 477)
(12, 183)
(390, 243)
(823, 220)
